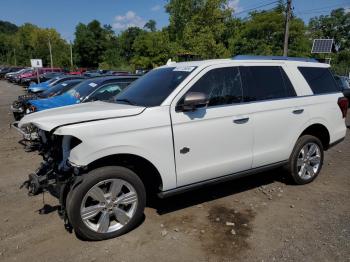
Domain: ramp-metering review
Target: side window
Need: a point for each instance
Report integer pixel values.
(265, 82)
(222, 86)
(319, 79)
(107, 92)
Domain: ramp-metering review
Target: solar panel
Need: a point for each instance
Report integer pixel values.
(322, 46)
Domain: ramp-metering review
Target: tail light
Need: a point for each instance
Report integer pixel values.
(343, 104)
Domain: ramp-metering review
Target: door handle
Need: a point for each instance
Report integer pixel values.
(298, 111)
(241, 120)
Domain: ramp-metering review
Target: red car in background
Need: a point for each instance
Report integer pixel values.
(78, 71)
(32, 76)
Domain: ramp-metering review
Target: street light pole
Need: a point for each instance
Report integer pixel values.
(71, 55)
(50, 54)
(286, 32)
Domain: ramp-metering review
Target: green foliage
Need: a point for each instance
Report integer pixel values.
(336, 26)
(152, 49)
(198, 28)
(30, 41)
(263, 34)
(151, 25)
(7, 27)
(91, 43)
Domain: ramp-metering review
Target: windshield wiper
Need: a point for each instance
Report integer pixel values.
(125, 100)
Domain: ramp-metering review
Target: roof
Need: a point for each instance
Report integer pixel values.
(251, 59)
(282, 58)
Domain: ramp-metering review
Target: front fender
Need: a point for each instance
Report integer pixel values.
(82, 156)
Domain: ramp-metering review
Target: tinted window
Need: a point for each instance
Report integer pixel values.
(265, 82)
(222, 86)
(154, 87)
(109, 91)
(83, 89)
(60, 88)
(320, 80)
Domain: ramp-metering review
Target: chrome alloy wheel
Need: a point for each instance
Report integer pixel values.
(109, 205)
(309, 160)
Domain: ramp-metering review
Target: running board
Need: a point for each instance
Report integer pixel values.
(221, 179)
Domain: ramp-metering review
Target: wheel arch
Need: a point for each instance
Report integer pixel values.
(145, 169)
(320, 131)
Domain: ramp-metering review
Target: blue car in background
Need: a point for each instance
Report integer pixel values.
(99, 88)
(37, 88)
(19, 107)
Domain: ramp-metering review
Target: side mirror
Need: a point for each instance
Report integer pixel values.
(192, 101)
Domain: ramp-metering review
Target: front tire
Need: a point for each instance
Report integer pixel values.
(109, 202)
(306, 160)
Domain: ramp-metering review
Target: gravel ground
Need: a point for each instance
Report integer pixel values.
(260, 218)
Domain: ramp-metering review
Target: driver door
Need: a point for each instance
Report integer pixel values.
(216, 140)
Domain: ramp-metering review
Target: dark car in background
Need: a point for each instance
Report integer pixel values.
(7, 70)
(95, 73)
(343, 83)
(19, 106)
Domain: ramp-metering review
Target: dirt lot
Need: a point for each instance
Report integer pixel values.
(274, 220)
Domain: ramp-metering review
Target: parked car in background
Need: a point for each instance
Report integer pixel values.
(99, 88)
(32, 77)
(37, 88)
(183, 126)
(94, 73)
(343, 83)
(78, 71)
(7, 70)
(116, 72)
(20, 106)
(14, 76)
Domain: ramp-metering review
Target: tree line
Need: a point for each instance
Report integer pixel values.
(200, 29)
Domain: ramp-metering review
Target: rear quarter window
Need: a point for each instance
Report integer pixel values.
(320, 80)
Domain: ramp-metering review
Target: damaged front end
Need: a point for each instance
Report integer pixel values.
(31, 138)
(54, 175)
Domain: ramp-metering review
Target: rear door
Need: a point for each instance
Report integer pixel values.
(277, 113)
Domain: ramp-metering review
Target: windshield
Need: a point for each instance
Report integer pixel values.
(60, 88)
(50, 81)
(154, 87)
(83, 89)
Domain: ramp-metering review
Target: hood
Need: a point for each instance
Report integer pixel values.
(38, 87)
(53, 102)
(49, 119)
(39, 84)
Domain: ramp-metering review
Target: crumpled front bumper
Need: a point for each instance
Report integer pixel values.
(29, 136)
(17, 110)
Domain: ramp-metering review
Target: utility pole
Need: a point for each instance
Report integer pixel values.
(14, 54)
(50, 54)
(286, 32)
(71, 55)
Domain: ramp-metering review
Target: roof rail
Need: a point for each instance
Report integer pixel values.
(287, 58)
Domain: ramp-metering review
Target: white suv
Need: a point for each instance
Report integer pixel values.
(182, 126)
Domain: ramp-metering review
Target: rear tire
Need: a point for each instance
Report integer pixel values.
(306, 160)
(109, 202)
